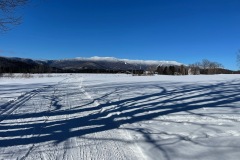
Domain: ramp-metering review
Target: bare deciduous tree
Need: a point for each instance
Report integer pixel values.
(151, 70)
(214, 67)
(194, 69)
(8, 18)
(205, 65)
(182, 70)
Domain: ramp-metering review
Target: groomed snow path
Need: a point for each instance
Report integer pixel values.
(86, 116)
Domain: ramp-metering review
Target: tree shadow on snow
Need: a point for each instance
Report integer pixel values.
(114, 112)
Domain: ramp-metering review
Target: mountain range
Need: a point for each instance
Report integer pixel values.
(82, 64)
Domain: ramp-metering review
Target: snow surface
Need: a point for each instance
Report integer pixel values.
(106, 116)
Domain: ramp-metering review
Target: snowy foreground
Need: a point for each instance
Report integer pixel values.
(89, 116)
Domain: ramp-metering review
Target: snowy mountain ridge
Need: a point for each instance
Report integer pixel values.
(87, 64)
(129, 61)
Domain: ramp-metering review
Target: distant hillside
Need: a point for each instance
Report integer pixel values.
(108, 63)
(94, 65)
(21, 65)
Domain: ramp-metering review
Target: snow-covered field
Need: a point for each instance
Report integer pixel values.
(94, 116)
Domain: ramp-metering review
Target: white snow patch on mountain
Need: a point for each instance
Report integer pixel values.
(129, 61)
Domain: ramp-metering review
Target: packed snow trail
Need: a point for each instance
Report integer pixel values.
(89, 116)
(56, 124)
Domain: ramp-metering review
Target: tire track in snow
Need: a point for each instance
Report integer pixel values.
(64, 149)
(10, 107)
(54, 87)
(39, 130)
(71, 141)
(19, 101)
(100, 145)
(112, 133)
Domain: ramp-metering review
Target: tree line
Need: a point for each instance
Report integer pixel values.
(206, 67)
(203, 67)
(172, 70)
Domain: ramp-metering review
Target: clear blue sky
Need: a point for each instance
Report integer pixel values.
(182, 30)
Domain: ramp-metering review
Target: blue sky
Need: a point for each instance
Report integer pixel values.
(182, 30)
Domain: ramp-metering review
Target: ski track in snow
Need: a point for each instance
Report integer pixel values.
(87, 116)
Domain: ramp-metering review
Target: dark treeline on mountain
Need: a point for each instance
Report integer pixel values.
(17, 66)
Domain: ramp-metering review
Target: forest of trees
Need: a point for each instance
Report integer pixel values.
(172, 70)
(206, 67)
(17, 66)
(203, 67)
